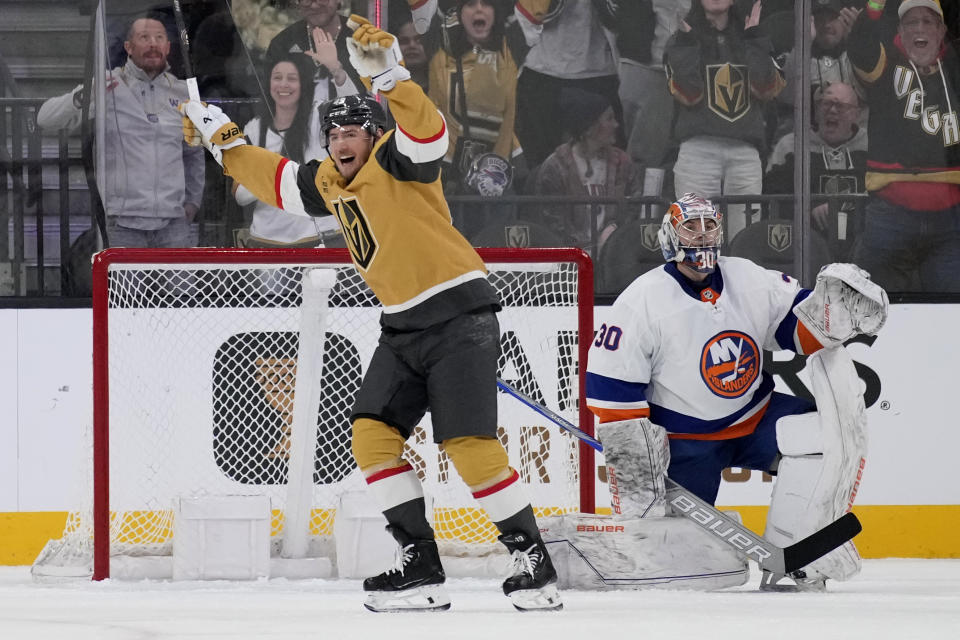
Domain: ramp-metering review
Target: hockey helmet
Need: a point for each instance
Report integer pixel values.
(352, 109)
(692, 232)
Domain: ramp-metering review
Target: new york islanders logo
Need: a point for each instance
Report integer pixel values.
(730, 363)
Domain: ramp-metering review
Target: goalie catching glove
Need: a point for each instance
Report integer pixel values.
(375, 54)
(208, 125)
(843, 303)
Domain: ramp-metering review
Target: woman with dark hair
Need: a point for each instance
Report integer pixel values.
(283, 125)
(590, 164)
(473, 81)
(720, 70)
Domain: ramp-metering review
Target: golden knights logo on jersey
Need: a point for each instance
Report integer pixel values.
(728, 90)
(356, 231)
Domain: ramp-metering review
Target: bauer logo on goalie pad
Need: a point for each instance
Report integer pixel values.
(607, 528)
(730, 363)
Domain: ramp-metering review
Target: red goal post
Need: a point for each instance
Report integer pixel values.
(150, 291)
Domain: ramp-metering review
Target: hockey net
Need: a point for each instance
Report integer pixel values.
(196, 355)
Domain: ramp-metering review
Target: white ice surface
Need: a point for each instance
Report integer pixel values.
(891, 599)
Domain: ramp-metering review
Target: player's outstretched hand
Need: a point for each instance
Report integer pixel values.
(375, 54)
(208, 125)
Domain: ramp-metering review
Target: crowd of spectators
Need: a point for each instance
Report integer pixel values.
(631, 102)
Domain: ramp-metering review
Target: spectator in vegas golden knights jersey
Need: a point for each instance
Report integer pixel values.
(473, 81)
(912, 235)
(720, 69)
(838, 156)
(440, 342)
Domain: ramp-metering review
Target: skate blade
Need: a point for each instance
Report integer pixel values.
(773, 585)
(545, 599)
(817, 587)
(429, 598)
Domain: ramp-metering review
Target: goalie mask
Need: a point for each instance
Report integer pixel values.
(354, 109)
(692, 233)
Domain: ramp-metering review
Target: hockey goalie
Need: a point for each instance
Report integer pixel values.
(675, 376)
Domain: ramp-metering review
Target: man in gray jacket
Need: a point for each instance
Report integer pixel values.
(154, 181)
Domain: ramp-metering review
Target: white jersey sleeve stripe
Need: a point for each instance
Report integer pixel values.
(287, 191)
(421, 150)
(608, 404)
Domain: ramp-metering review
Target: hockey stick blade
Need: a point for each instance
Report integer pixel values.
(822, 542)
(552, 416)
(768, 556)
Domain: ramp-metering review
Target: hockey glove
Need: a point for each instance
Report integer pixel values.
(375, 54)
(208, 125)
(844, 303)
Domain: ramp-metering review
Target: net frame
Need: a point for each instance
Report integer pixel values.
(230, 256)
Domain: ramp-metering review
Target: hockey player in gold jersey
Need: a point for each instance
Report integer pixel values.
(440, 341)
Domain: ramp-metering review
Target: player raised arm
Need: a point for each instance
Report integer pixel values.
(421, 133)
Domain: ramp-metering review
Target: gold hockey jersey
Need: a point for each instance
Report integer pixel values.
(393, 215)
(490, 88)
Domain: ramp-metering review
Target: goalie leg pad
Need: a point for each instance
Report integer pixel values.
(605, 553)
(823, 459)
(636, 455)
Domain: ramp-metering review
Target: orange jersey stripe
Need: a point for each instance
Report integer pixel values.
(808, 343)
(616, 415)
(738, 430)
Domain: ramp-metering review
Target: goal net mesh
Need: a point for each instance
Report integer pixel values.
(201, 369)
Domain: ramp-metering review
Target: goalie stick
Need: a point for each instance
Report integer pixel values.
(778, 560)
(542, 410)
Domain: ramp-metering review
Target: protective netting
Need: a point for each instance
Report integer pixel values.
(202, 370)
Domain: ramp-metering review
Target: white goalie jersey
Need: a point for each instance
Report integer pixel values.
(692, 361)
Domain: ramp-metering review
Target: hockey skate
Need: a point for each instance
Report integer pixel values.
(533, 584)
(415, 583)
(801, 582)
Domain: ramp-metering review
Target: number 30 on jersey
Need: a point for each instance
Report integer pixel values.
(608, 337)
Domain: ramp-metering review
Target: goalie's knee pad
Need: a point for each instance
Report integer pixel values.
(375, 443)
(823, 458)
(636, 454)
(477, 459)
